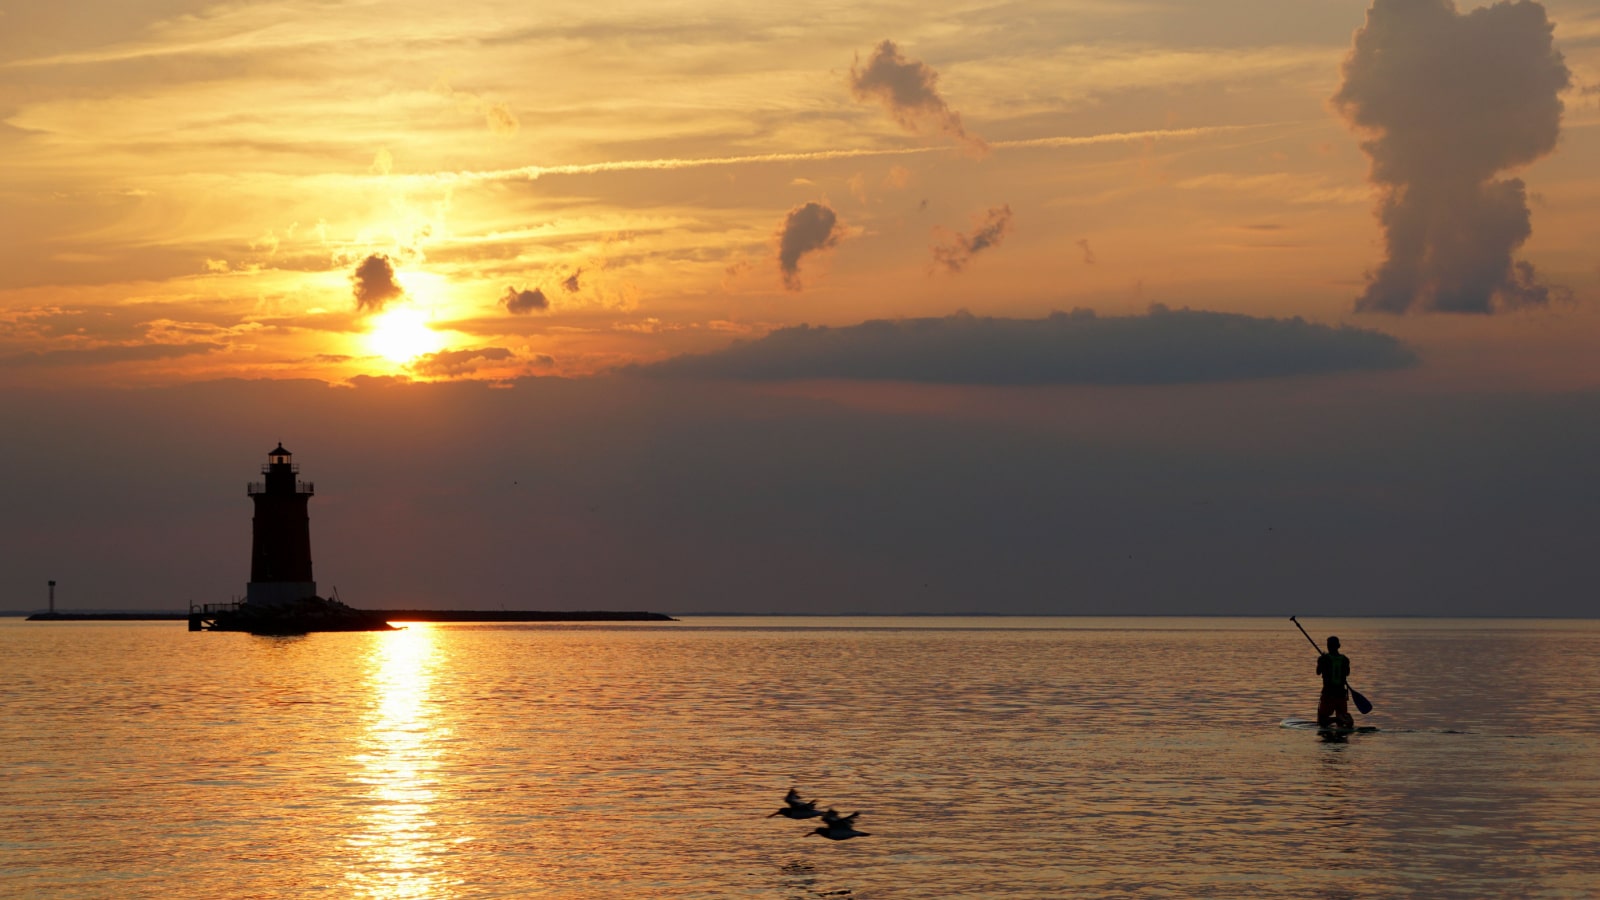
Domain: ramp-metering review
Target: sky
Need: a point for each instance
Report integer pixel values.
(1019, 307)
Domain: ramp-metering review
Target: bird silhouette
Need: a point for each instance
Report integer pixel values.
(836, 826)
(838, 832)
(831, 817)
(796, 808)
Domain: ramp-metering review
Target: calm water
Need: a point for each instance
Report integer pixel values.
(990, 757)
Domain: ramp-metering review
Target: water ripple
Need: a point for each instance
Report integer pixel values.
(1043, 758)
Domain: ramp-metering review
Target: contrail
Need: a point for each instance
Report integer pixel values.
(1123, 137)
(639, 165)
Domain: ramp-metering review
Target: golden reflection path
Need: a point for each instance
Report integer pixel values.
(396, 843)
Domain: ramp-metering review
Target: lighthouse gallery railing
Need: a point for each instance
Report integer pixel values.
(300, 487)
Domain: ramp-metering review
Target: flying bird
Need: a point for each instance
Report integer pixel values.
(839, 831)
(796, 808)
(831, 818)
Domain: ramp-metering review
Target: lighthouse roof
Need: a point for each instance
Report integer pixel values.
(279, 451)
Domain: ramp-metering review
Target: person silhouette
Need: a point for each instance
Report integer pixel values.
(1333, 707)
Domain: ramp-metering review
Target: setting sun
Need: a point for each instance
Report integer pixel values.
(401, 335)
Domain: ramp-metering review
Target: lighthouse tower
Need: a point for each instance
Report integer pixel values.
(280, 557)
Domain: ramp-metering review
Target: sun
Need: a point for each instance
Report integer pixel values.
(402, 334)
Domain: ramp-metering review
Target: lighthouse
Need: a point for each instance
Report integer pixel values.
(281, 598)
(280, 551)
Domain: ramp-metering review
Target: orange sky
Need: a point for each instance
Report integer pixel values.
(367, 229)
(189, 186)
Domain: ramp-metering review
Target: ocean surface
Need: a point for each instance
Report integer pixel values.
(988, 757)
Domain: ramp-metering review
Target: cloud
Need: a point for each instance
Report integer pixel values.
(268, 243)
(374, 283)
(570, 283)
(1285, 187)
(500, 118)
(497, 116)
(806, 228)
(909, 90)
(990, 230)
(1447, 101)
(521, 303)
(732, 271)
(110, 354)
(1089, 258)
(1162, 347)
(457, 362)
(857, 184)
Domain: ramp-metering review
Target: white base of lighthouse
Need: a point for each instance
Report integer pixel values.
(278, 593)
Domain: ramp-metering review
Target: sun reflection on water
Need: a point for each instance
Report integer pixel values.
(397, 840)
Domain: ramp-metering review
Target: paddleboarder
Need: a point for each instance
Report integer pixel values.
(1333, 706)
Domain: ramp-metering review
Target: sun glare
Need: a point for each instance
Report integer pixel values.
(402, 334)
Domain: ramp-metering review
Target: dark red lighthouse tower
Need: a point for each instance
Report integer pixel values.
(282, 597)
(280, 558)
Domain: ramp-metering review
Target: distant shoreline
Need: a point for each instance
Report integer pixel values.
(454, 615)
(393, 615)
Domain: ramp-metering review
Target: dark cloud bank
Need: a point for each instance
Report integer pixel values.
(1317, 497)
(1164, 347)
(1449, 101)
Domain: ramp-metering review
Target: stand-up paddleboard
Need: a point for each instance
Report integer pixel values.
(1311, 725)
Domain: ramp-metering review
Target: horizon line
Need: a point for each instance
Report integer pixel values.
(11, 613)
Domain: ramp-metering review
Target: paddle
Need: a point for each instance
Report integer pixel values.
(1362, 703)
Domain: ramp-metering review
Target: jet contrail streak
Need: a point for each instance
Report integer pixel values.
(1122, 137)
(643, 165)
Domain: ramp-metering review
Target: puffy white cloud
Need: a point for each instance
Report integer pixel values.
(1448, 101)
